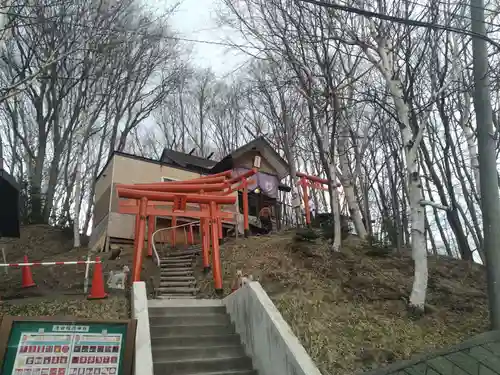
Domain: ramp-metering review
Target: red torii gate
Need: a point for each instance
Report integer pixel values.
(313, 182)
(206, 191)
(180, 201)
(219, 183)
(171, 188)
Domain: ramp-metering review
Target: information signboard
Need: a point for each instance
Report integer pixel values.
(50, 346)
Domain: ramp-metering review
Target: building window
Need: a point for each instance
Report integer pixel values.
(167, 179)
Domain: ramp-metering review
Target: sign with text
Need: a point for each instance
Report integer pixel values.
(48, 346)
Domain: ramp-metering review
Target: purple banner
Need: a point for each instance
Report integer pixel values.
(267, 183)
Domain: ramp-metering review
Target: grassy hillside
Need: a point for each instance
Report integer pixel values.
(348, 308)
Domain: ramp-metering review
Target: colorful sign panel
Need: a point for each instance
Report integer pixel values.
(44, 347)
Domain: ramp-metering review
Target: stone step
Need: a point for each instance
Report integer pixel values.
(184, 263)
(171, 272)
(188, 282)
(195, 341)
(192, 330)
(170, 283)
(190, 258)
(184, 353)
(177, 278)
(168, 266)
(198, 366)
(183, 250)
(179, 263)
(188, 290)
(176, 296)
(198, 319)
(186, 310)
(183, 253)
(176, 268)
(178, 290)
(177, 259)
(174, 291)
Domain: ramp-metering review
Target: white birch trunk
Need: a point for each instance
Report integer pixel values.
(411, 144)
(346, 177)
(291, 154)
(334, 196)
(417, 217)
(418, 242)
(334, 203)
(78, 190)
(330, 150)
(466, 125)
(296, 203)
(295, 190)
(474, 161)
(78, 179)
(347, 183)
(4, 20)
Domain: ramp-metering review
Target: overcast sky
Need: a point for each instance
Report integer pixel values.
(197, 19)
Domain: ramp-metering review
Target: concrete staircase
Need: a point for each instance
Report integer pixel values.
(195, 338)
(177, 278)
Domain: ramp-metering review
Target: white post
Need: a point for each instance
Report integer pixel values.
(6, 269)
(86, 281)
(237, 216)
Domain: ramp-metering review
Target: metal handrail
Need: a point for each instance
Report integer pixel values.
(194, 223)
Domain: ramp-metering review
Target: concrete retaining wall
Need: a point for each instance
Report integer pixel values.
(143, 363)
(267, 338)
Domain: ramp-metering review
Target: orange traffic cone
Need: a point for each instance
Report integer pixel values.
(97, 291)
(27, 277)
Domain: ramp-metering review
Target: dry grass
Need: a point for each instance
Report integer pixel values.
(348, 309)
(59, 289)
(115, 307)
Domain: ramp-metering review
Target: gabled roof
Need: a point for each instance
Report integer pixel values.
(185, 160)
(141, 158)
(198, 164)
(265, 149)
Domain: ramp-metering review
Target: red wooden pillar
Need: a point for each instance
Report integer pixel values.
(205, 238)
(174, 231)
(137, 266)
(218, 222)
(245, 207)
(205, 244)
(136, 227)
(217, 272)
(151, 229)
(190, 235)
(303, 183)
(219, 229)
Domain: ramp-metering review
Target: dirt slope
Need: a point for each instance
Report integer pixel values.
(38, 242)
(348, 308)
(59, 289)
